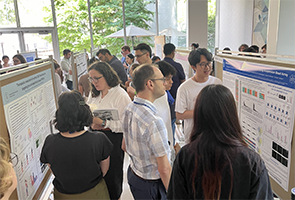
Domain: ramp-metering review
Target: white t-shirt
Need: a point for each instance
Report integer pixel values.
(117, 98)
(163, 111)
(186, 97)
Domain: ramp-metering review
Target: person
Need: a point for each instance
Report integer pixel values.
(145, 137)
(125, 50)
(168, 71)
(59, 71)
(129, 62)
(128, 84)
(143, 54)
(250, 50)
(200, 61)
(18, 59)
(58, 79)
(217, 163)
(5, 60)
(226, 49)
(263, 49)
(78, 159)
(8, 180)
(156, 59)
(112, 60)
(67, 68)
(178, 78)
(242, 47)
(106, 93)
(255, 47)
(83, 83)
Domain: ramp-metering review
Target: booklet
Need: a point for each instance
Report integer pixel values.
(107, 114)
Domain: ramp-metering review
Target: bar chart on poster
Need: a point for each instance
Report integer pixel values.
(265, 99)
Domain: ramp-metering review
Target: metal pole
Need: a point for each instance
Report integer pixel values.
(90, 24)
(124, 23)
(55, 42)
(157, 21)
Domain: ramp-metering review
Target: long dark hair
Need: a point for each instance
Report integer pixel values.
(215, 136)
(108, 73)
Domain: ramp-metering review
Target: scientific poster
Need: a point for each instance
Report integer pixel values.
(29, 107)
(265, 100)
(81, 64)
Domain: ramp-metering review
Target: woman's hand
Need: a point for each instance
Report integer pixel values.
(96, 125)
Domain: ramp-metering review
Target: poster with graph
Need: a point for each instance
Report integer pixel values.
(264, 97)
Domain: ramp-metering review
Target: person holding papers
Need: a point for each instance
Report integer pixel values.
(106, 93)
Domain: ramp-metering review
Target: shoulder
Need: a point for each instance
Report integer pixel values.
(215, 80)
(186, 84)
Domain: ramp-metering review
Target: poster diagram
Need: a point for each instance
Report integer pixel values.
(265, 100)
(29, 106)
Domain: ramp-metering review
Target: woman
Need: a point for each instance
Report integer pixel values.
(18, 59)
(5, 60)
(78, 159)
(129, 61)
(106, 93)
(8, 180)
(217, 164)
(128, 84)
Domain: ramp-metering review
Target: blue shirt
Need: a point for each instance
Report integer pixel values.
(145, 137)
(180, 75)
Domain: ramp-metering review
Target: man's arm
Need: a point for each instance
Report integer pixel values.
(164, 169)
(188, 114)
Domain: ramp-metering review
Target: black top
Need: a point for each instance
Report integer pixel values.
(250, 180)
(119, 68)
(75, 161)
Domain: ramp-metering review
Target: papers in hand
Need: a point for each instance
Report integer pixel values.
(107, 114)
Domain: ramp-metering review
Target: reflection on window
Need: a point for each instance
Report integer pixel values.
(34, 16)
(9, 45)
(7, 15)
(35, 41)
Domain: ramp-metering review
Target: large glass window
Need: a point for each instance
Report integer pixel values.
(33, 13)
(9, 45)
(7, 15)
(35, 41)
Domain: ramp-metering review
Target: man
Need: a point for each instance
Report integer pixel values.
(143, 53)
(200, 61)
(67, 68)
(145, 137)
(125, 50)
(106, 56)
(242, 47)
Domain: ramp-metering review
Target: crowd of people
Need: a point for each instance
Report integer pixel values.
(148, 96)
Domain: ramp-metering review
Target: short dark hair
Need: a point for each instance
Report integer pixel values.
(66, 51)
(72, 113)
(103, 52)
(166, 68)
(195, 56)
(20, 57)
(108, 73)
(226, 49)
(168, 48)
(263, 47)
(255, 47)
(134, 66)
(243, 45)
(155, 58)
(141, 75)
(195, 45)
(144, 47)
(126, 47)
(92, 60)
(131, 56)
(3, 57)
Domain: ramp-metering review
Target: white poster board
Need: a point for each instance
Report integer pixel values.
(264, 96)
(81, 64)
(29, 107)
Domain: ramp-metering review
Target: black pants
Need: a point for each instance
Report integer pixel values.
(69, 84)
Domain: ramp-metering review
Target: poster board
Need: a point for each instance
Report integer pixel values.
(159, 44)
(29, 56)
(24, 123)
(79, 67)
(271, 93)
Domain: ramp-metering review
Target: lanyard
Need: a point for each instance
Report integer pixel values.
(144, 105)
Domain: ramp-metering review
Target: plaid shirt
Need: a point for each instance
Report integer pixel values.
(145, 137)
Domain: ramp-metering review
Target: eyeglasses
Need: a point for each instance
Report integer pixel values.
(159, 79)
(13, 159)
(203, 65)
(168, 78)
(94, 80)
(138, 56)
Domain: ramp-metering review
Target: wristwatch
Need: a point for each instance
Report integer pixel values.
(103, 124)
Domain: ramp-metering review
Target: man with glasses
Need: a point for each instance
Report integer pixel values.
(200, 61)
(145, 137)
(106, 56)
(143, 53)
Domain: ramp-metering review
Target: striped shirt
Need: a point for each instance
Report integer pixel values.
(145, 137)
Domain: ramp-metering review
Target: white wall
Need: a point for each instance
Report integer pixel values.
(286, 29)
(234, 23)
